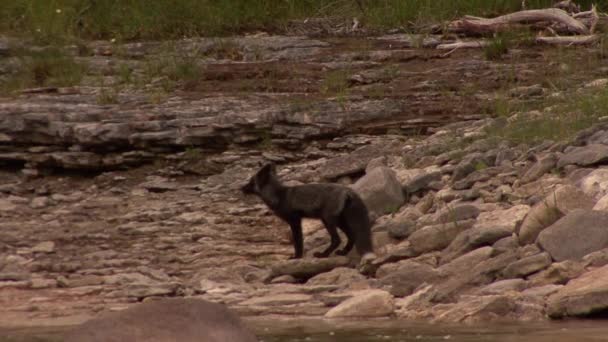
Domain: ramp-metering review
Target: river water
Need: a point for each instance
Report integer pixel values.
(385, 330)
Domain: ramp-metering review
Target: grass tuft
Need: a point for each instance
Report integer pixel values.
(560, 122)
(48, 67)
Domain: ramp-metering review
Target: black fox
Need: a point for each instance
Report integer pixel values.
(337, 206)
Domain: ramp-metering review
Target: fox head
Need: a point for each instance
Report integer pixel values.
(259, 180)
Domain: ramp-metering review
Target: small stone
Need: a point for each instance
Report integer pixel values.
(44, 247)
(40, 202)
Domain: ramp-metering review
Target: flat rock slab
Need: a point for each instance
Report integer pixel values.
(307, 268)
(354, 162)
(280, 299)
(582, 296)
(575, 235)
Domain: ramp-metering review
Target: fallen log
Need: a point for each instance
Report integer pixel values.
(476, 25)
(569, 40)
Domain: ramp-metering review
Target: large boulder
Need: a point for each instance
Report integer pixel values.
(585, 156)
(582, 296)
(366, 303)
(555, 205)
(380, 190)
(575, 235)
(188, 320)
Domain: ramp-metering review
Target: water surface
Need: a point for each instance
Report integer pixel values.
(383, 330)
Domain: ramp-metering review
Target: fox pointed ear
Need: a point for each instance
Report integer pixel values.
(265, 173)
(267, 169)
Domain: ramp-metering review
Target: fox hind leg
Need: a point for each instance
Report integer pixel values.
(298, 241)
(330, 225)
(350, 243)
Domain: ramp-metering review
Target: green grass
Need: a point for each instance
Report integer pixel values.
(559, 122)
(335, 83)
(51, 20)
(49, 67)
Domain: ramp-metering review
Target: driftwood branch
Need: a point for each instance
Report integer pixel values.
(462, 45)
(569, 40)
(473, 25)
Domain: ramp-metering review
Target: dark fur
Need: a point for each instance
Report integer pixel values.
(335, 205)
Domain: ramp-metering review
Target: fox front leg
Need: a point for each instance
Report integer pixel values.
(298, 241)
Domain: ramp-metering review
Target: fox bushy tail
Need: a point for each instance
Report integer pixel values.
(356, 217)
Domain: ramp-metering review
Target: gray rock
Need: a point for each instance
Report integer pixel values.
(44, 247)
(582, 296)
(407, 277)
(558, 273)
(340, 276)
(307, 268)
(141, 291)
(462, 264)
(479, 309)
(526, 91)
(278, 299)
(542, 291)
(177, 319)
(481, 274)
(542, 166)
(505, 218)
(353, 162)
(595, 183)
(466, 166)
(557, 204)
(400, 229)
(527, 265)
(392, 256)
(585, 156)
(380, 191)
(449, 195)
(596, 259)
(40, 202)
(509, 243)
(458, 212)
(470, 180)
(6, 205)
(366, 303)
(436, 237)
(502, 286)
(575, 235)
(421, 182)
(471, 239)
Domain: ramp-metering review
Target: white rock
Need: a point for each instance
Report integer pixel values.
(366, 303)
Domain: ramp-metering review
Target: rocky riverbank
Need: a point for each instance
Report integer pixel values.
(106, 205)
